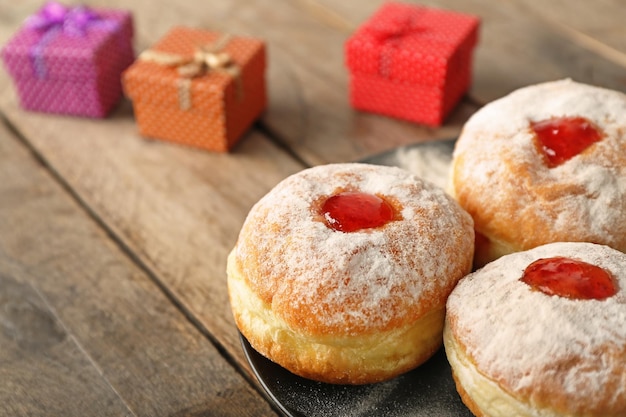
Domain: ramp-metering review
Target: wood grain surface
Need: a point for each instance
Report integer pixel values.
(84, 330)
(113, 297)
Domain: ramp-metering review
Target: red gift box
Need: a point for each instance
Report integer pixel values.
(411, 62)
(69, 60)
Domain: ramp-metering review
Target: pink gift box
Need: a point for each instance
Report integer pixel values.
(411, 62)
(69, 60)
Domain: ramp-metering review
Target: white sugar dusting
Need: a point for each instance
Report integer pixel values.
(517, 334)
(584, 198)
(348, 280)
(430, 163)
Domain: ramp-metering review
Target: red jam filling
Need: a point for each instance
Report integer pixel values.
(351, 211)
(562, 138)
(569, 278)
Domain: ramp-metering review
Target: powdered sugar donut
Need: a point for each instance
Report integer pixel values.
(546, 163)
(542, 333)
(341, 272)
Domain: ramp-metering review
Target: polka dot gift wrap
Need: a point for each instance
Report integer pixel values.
(411, 62)
(69, 60)
(198, 88)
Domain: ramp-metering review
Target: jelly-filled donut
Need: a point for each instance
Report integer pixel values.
(341, 272)
(542, 333)
(547, 163)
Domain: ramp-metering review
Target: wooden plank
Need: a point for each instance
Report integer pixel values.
(43, 371)
(598, 26)
(179, 210)
(518, 46)
(140, 343)
(307, 78)
(308, 82)
(311, 82)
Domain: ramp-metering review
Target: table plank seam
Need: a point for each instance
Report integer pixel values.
(79, 345)
(126, 250)
(579, 38)
(280, 142)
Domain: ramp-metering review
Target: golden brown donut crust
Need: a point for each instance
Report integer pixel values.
(347, 293)
(499, 176)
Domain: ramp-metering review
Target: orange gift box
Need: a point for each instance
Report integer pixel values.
(198, 88)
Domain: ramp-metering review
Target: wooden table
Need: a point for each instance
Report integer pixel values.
(113, 295)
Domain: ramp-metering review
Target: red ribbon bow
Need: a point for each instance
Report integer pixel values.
(389, 32)
(394, 28)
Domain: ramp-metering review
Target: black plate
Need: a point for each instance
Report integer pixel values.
(427, 391)
(429, 160)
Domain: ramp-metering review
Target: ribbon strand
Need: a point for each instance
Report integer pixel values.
(206, 58)
(55, 19)
(389, 34)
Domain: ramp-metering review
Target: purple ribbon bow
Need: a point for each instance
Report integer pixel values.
(54, 19)
(71, 21)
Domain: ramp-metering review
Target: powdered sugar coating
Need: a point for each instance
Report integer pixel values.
(550, 350)
(499, 176)
(323, 281)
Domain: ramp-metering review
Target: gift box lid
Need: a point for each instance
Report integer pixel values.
(410, 43)
(70, 43)
(148, 80)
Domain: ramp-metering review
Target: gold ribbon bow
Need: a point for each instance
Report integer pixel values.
(205, 59)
